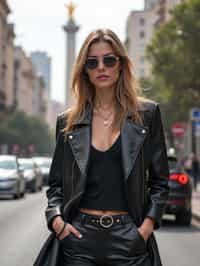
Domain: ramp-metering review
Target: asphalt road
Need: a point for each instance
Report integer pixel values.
(23, 230)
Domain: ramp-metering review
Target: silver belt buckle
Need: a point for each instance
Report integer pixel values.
(105, 217)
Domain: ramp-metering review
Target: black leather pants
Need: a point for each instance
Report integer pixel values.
(118, 245)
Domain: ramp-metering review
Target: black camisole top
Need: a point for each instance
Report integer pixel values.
(105, 186)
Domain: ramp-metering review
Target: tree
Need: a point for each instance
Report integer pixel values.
(174, 51)
(18, 128)
(175, 56)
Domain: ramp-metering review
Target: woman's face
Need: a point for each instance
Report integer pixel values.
(103, 76)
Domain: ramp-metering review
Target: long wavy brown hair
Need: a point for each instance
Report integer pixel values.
(83, 91)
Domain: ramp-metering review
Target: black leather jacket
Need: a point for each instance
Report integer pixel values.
(144, 161)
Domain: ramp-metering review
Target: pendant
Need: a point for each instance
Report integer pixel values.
(105, 123)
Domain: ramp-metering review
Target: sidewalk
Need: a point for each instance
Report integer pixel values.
(196, 203)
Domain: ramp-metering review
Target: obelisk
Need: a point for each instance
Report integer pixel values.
(71, 29)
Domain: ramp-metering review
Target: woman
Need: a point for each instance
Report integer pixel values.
(110, 147)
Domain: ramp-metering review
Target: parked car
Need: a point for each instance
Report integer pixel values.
(180, 193)
(32, 174)
(12, 181)
(44, 164)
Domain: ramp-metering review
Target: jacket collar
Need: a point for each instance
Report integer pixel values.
(86, 119)
(132, 136)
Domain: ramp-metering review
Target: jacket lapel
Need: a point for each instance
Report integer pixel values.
(80, 145)
(132, 136)
(80, 141)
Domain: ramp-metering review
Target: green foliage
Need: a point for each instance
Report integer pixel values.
(18, 128)
(174, 50)
(175, 56)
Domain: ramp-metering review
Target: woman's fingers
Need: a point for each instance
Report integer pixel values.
(70, 229)
(74, 231)
(65, 233)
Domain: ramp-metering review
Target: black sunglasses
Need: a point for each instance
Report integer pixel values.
(108, 61)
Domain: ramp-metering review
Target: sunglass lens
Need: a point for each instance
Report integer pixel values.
(110, 61)
(91, 63)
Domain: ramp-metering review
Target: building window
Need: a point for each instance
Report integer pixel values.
(142, 34)
(142, 21)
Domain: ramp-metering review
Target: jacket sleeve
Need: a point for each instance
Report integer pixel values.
(158, 171)
(55, 190)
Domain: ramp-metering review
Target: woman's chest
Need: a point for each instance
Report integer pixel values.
(103, 137)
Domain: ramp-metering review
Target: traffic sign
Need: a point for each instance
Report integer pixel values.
(178, 129)
(195, 114)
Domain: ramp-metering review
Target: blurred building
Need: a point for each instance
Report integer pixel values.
(29, 86)
(42, 64)
(23, 80)
(40, 98)
(6, 59)
(163, 10)
(140, 28)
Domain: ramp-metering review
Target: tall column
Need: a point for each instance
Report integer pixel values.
(71, 29)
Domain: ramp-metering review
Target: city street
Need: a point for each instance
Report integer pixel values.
(23, 230)
(90, 93)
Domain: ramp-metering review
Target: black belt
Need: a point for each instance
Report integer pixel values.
(104, 221)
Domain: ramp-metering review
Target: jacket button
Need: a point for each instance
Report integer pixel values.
(70, 137)
(143, 131)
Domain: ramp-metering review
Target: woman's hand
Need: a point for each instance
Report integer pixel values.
(58, 224)
(146, 228)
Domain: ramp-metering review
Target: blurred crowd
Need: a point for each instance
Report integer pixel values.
(191, 165)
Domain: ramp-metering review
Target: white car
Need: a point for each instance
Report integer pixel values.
(12, 181)
(33, 176)
(44, 164)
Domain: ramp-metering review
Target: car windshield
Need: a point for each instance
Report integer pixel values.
(8, 164)
(27, 165)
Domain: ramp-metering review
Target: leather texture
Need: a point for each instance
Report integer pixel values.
(49, 254)
(68, 171)
(119, 245)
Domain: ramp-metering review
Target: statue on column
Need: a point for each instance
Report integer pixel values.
(71, 28)
(71, 7)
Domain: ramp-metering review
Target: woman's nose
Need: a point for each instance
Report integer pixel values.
(101, 64)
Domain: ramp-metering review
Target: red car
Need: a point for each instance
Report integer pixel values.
(180, 194)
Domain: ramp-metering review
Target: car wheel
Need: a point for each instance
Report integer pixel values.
(17, 195)
(22, 194)
(184, 218)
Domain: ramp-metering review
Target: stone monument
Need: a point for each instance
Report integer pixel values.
(71, 28)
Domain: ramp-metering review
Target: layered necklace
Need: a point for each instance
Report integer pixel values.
(108, 119)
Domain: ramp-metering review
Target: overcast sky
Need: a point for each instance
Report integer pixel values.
(38, 25)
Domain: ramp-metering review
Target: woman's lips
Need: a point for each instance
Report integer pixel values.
(102, 77)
